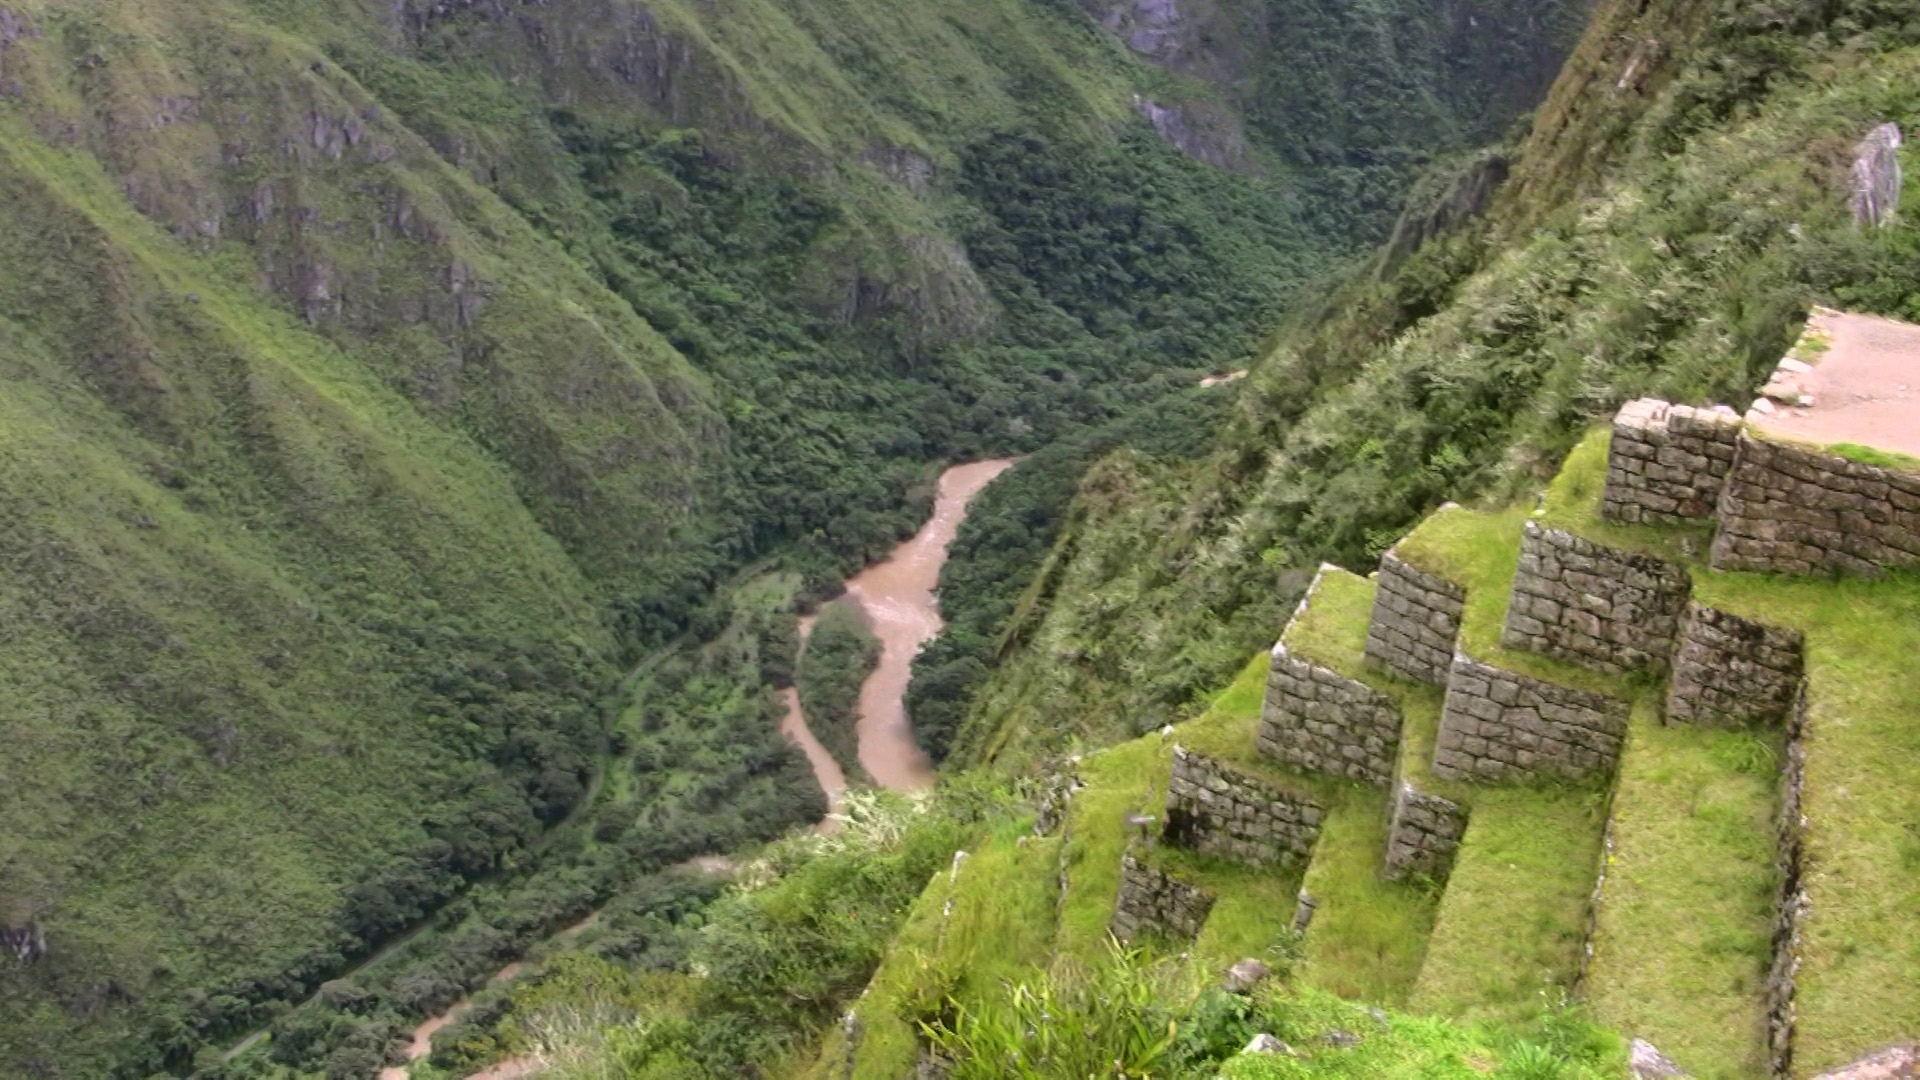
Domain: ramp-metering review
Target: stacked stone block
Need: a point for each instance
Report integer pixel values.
(1415, 622)
(1224, 812)
(1501, 724)
(1320, 721)
(1731, 672)
(1790, 510)
(1153, 903)
(1423, 834)
(1666, 463)
(1790, 903)
(1608, 610)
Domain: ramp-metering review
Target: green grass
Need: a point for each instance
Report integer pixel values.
(1860, 977)
(1681, 944)
(1508, 937)
(1368, 935)
(1873, 455)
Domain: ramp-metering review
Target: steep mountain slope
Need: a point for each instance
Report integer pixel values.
(384, 377)
(1681, 199)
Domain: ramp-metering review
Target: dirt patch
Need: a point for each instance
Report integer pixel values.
(1853, 379)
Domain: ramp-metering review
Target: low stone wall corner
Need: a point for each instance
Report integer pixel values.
(1423, 834)
(1732, 672)
(1219, 810)
(1151, 902)
(1666, 463)
(1415, 622)
(1499, 724)
(1321, 721)
(1605, 609)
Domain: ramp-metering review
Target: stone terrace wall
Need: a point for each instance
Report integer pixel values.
(1416, 620)
(1153, 903)
(1790, 904)
(1612, 611)
(1320, 721)
(1423, 835)
(1731, 671)
(1794, 511)
(1499, 724)
(1666, 463)
(1217, 809)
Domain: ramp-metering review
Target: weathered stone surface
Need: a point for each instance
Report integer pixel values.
(1151, 902)
(1415, 621)
(1730, 671)
(1609, 610)
(1666, 463)
(1790, 510)
(1790, 903)
(1894, 1063)
(1245, 975)
(1646, 1062)
(1222, 811)
(1320, 721)
(1875, 177)
(1264, 1043)
(1423, 834)
(1500, 724)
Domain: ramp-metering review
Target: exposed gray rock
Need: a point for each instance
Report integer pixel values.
(1264, 1043)
(1876, 176)
(1245, 975)
(1894, 1063)
(1647, 1063)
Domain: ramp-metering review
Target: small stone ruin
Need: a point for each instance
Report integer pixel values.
(1222, 811)
(1151, 902)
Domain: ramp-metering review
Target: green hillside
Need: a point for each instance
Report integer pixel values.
(387, 380)
(1661, 235)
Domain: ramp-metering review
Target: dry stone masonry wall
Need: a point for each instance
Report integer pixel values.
(1153, 903)
(1221, 811)
(1732, 672)
(1423, 835)
(1790, 904)
(1790, 510)
(1666, 463)
(1500, 724)
(1612, 611)
(1320, 721)
(1415, 622)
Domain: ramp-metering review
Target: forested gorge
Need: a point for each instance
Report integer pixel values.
(426, 421)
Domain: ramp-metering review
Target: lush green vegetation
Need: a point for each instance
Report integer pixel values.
(839, 655)
(1662, 242)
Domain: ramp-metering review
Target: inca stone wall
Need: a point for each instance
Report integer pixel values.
(1415, 622)
(1612, 611)
(1153, 903)
(1323, 722)
(1790, 904)
(1731, 671)
(1666, 463)
(1789, 510)
(1499, 724)
(1222, 811)
(1423, 835)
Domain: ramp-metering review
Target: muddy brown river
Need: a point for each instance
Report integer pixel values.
(897, 596)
